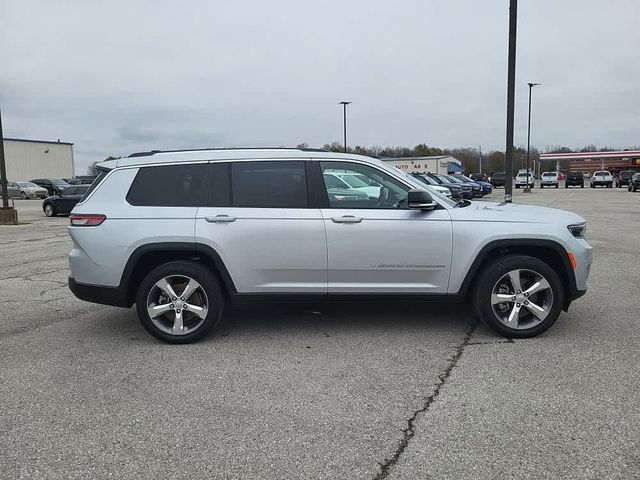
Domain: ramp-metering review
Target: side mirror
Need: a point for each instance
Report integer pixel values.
(420, 200)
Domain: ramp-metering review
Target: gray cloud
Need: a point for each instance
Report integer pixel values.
(116, 77)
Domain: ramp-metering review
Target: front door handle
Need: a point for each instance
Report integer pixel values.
(346, 219)
(220, 219)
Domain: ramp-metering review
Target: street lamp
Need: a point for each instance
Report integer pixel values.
(344, 122)
(531, 85)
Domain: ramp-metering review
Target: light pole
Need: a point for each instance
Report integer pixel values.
(531, 85)
(8, 215)
(344, 122)
(511, 90)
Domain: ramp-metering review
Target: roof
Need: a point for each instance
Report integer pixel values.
(212, 154)
(585, 155)
(58, 142)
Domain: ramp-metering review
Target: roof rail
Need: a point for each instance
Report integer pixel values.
(153, 152)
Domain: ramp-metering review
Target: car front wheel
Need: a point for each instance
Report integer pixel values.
(179, 302)
(519, 296)
(49, 211)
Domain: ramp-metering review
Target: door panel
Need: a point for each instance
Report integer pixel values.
(268, 250)
(376, 244)
(388, 251)
(261, 225)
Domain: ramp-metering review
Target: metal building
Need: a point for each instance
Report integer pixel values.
(28, 159)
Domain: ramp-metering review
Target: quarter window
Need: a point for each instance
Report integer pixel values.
(269, 184)
(169, 186)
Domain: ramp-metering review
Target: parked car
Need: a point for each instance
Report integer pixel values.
(624, 177)
(53, 185)
(466, 192)
(524, 180)
(498, 179)
(602, 178)
(485, 187)
(475, 188)
(261, 225)
(575, 179)
(634, 182)
(482, 177)
(549, 179)
(63, 203)
(431, 183)
(353, 182)
(24, 190)
(339, 190)
(82, 180)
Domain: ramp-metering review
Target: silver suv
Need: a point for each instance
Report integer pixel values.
(182, 233)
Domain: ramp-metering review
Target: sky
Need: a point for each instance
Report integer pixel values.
(118, 77)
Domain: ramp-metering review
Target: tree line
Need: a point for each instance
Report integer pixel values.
(471, 157)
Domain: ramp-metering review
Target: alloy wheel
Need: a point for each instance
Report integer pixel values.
(177, 305)
(521, 299)
(48, 210)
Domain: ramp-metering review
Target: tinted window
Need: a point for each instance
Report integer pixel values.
(169, 186)
(278, 184)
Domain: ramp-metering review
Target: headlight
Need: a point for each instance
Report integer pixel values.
(579, 230)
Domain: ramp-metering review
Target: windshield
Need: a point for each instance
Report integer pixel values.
(548, 174)
(59, 182)
(452, 179)
(28, 185)
(601, 174)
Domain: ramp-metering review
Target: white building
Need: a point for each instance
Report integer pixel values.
(434, 164)
(29, 159)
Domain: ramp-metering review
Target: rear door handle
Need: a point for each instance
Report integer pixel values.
(346, 219)
(220, 219)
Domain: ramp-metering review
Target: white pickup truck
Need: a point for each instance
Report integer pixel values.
(602, 178)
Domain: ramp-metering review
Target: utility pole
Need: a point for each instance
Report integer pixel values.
(8, 215)
(531, 85)
(344, 122)
(511, 90)
(480, 159)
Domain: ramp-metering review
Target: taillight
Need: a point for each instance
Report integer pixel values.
(77, 220)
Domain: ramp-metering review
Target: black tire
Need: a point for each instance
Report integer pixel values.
(493, 273)
(541, 186)
(212, 297)
(23, 195)
(49, 210)
(557, 185)
(582, 186)
(566, 186)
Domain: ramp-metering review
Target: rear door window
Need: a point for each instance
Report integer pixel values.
(269, 184)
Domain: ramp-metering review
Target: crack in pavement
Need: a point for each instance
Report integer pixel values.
(409, 431)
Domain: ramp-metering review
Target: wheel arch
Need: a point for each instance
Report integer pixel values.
(148, 256)
(549, 251)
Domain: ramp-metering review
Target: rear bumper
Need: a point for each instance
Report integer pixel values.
(114, 296)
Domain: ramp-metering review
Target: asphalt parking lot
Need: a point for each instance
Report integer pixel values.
(398, 391)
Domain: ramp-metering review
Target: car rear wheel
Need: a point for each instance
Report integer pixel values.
(49, 210)
(519, 296)
(179, 302)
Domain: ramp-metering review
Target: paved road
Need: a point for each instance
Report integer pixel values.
(354, 391)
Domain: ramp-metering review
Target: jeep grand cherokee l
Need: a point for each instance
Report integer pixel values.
(179, 234)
